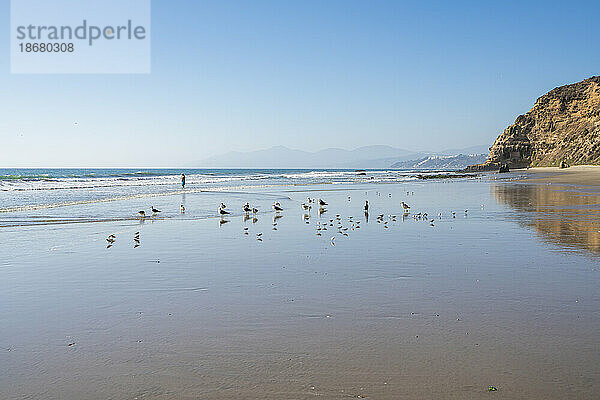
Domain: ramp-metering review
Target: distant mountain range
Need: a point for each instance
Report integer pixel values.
(378, 156)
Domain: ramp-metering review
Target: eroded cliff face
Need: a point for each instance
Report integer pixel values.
(564, 124)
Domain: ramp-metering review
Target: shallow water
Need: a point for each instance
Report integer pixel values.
(503, 295)
(27, 190)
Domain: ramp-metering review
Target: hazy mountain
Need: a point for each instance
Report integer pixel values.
(378, 156)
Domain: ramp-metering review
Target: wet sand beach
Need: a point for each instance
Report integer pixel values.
(585, 175)
(504, 295)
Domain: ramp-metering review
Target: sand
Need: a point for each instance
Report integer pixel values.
(587, 175)
(504, 295)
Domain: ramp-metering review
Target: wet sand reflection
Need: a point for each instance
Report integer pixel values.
(564, 215)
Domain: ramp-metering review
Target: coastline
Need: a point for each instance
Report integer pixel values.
(586, 175)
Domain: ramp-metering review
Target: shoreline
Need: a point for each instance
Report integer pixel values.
(587, 175)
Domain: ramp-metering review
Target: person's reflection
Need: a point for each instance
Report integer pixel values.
(182, 207)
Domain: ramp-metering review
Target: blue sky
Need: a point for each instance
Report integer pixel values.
(241, 75)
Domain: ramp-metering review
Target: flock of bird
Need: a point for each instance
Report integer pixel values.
(335, 224)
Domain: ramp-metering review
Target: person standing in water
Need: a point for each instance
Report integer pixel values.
(183, 181)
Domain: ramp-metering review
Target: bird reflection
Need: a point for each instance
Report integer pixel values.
(223, 221)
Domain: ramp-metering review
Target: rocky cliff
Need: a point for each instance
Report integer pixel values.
(564, 124)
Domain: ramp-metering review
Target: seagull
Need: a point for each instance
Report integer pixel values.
(305, 206)
(254, 210)
(222, 211)
(182, 208)
(142, 213)
(405, 206)
(246, 208)
(277, 207)
(322, 203)
(222, 205)
(154, 210)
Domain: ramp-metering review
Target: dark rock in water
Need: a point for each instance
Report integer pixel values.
(445, 176)
(564, 124)
(503, 168)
